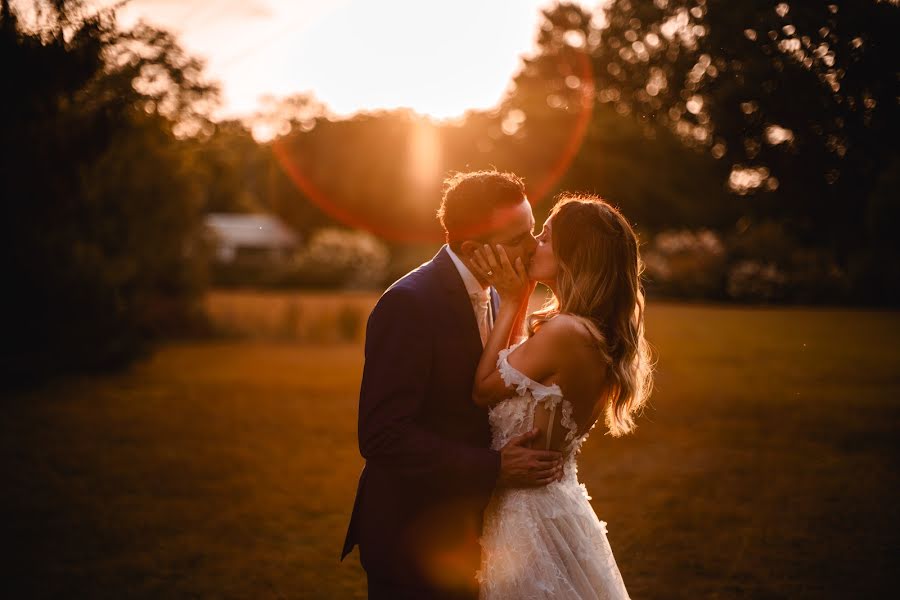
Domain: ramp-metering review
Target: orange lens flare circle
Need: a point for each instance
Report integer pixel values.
(290, 164)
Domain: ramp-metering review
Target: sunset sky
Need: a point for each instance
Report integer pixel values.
(439, 58)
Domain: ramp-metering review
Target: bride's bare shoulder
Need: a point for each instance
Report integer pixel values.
(564, 332)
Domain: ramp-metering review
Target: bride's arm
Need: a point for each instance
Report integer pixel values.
(489, 387)
(538, 358)
(515, 288)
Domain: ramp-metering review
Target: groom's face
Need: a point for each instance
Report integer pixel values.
(512, 227)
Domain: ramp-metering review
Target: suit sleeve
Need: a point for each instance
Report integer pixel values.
(397, 367)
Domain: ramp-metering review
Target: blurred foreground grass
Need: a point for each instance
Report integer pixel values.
(767, 466)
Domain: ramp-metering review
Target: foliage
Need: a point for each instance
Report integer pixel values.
(796, 102)
(758, 263)
(769, 125)
(333, 258)
(685, 113)
(686, 263)
(105, 252)
(342, 258)
(647, 171)
(805, 91)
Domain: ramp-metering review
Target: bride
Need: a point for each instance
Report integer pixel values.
(582, 356)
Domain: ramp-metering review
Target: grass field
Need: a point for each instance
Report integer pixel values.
(767, 466)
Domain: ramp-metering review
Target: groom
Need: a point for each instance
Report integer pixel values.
(429, 470)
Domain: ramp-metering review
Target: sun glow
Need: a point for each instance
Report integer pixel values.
(437, 58)
(424, 154)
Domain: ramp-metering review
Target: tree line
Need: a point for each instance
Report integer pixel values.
(769, 125)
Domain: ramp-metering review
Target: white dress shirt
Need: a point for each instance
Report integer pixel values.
(479, 296)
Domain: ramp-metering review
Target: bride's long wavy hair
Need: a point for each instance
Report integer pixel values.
(598, 281)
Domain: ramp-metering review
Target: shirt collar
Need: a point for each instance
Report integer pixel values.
(472, 286)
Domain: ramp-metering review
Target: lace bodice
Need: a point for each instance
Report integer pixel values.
(515, 415)
(545, 542)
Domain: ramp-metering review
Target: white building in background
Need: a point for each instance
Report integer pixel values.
(251, 238)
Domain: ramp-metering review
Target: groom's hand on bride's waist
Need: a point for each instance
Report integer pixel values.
(521, 466)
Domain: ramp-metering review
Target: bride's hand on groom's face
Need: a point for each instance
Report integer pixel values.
(510, 279)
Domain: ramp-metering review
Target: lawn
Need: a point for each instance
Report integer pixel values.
(766, 467)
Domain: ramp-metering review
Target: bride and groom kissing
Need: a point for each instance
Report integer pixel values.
(472, 411)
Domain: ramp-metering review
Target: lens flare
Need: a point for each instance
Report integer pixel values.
(423, 162)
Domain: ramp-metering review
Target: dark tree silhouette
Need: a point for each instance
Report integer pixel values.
(798, 102)
(799, 99)
(101, 189)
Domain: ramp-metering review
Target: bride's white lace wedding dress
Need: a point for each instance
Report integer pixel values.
(543, 542)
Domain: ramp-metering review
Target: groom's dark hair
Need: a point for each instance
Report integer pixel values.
(470, 198)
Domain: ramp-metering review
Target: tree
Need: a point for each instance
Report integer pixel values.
(795, 102)
(624, 155)
(96, 177)
(798, 100)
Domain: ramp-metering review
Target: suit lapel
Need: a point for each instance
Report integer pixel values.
(458, 299)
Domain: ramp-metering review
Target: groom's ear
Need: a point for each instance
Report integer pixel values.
(467, 249)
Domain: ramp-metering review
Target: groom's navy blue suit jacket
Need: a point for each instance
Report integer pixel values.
(429, 472)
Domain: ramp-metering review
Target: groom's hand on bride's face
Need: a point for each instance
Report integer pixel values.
(520, 466)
